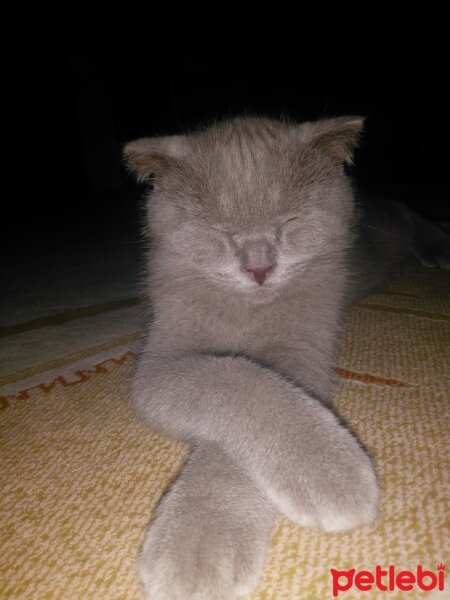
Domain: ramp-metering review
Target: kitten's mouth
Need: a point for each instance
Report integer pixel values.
(261, 293)
(250, 290)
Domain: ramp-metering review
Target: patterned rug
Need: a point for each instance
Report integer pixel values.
(80, 477)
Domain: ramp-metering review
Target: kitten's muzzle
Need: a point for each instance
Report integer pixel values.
(258, 258)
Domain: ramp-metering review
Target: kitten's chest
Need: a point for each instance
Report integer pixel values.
(218, 325)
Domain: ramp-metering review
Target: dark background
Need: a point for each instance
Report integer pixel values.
(90, 80)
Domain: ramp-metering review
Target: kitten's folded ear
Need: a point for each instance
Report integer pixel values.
(337, 138)
(153, 156)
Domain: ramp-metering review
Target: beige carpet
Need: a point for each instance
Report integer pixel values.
(80, 477)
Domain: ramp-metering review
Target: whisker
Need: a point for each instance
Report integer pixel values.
(375, 228)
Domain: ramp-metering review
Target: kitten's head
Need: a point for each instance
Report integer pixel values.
(248, 203)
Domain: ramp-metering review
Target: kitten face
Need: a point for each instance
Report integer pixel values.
(247, 206)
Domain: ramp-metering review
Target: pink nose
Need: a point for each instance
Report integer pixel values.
(259, 274)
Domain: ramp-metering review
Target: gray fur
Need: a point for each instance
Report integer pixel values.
(243, 370)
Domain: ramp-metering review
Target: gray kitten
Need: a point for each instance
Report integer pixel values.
(258, 248)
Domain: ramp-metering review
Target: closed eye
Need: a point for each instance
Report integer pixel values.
(289, 220)
(224, 230)
(283, 229)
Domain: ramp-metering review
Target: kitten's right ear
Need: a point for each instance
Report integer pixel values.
(335, 138)
(153, 156)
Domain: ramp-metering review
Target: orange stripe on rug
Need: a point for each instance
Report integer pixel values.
(368, 378)
(82, 375)
(66, 360)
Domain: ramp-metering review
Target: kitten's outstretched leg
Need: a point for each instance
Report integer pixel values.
(209, 534)
(294, 449)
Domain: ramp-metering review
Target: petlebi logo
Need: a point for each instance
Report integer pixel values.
(387, 579)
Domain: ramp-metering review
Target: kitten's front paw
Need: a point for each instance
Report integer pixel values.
(199, 564)
(190, 558)
(334, 485)
(351, 497)
(208, 538)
